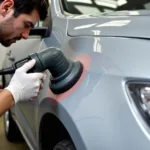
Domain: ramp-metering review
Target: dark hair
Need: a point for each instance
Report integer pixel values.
(27, 6)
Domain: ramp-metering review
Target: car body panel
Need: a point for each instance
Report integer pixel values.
(103, 75)
(97, 112)
(124, 26)
(19, 111)
(91, 106)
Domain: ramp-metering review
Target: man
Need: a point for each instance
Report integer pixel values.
(17, 17)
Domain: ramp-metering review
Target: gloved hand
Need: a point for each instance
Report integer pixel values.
(25, 86)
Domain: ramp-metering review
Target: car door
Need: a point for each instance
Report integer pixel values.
(23, 111)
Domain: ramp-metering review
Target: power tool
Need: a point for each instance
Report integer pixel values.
(64, 72)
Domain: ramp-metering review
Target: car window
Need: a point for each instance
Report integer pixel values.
(97, 7)
(38, 24)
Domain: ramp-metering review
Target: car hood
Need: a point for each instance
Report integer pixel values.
(135, 24)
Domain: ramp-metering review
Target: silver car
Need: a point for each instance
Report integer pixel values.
(109, 107)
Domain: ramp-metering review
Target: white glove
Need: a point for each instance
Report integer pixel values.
(25, 86)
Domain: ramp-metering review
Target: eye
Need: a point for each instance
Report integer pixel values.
(27, 25)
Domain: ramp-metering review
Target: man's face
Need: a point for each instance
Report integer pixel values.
(13, 29)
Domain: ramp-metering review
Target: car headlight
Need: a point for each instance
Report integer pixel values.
(145, 96)
(140, 94)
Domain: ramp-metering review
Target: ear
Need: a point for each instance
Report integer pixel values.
(6, 6)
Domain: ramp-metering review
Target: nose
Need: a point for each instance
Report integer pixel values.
(25, 34)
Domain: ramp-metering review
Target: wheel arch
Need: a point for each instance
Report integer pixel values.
(52, 130)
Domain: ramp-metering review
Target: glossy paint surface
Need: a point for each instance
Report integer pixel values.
(97, 112)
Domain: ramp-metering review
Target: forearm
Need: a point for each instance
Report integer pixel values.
(22, 87)
(6, 101)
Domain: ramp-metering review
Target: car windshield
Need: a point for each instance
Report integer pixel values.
(99, 7)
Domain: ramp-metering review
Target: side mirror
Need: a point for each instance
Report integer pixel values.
(40, 31)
